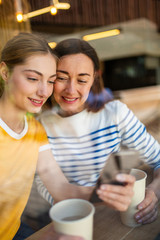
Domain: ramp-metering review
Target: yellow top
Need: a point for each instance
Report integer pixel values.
(18, 158)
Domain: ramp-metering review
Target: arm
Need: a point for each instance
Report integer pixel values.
(155, 184)
(134, 135)
(55, 181)
(148, 209)
(43, 190)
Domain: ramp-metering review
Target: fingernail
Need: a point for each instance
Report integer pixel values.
(139, 221)
(120, 177)
(103, 187)
(99, 191)
(137, 217)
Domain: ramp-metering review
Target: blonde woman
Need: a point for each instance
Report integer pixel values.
(28, 72)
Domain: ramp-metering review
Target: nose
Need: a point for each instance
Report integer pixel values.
(44, 90)
(71, 87)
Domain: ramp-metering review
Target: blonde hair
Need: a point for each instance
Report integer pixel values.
(19, 48)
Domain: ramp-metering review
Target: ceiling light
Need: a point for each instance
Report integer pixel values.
(36, 13)
(61, 5)
(54, 4)
(19, 17)
(53, 10)
(99, 35)
(18, 9)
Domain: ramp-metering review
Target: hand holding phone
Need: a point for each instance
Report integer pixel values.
(120, 162)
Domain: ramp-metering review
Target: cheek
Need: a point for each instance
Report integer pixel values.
(16, 87)
(20, 85)
(86, 92)
(57, 88)
(50, 91)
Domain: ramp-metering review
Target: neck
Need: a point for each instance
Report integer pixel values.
(13, 117)
(66, 114)
(63, 113)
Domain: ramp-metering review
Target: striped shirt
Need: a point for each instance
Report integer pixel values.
(82, 143)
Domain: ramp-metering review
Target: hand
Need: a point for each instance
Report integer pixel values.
(50, 234)
(115, 196)
(148, 208)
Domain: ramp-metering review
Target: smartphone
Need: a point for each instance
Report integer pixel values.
(112, 167)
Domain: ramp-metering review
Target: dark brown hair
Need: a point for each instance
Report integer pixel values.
(97, 97)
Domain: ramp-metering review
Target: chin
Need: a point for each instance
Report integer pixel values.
(38, 110)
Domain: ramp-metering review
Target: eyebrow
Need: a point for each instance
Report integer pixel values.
(39, 73)
(83, 74)
(80, 74)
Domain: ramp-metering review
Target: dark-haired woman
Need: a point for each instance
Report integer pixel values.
(84, 129)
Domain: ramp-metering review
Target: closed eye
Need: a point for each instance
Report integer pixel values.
(82, 81)
(32, 79)
(61, 78)
(52, 82)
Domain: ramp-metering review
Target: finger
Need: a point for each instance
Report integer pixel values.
(146, 210)
(113, 196)
(147, 213)
(114, 200)
(121, 190)
(150, 217)
(149, 198)
(125, 178)
(120, 206)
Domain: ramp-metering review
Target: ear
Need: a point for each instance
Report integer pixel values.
(4, 71)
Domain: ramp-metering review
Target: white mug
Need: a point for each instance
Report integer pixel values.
(127, 217)
(73, 217)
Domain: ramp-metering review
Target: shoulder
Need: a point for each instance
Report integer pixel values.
(115, 107)
(33, 124)
(114, 111)
(36, 131)
(47, 116)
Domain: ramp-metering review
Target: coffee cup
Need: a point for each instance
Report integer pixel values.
(127, 217)
(73, 217)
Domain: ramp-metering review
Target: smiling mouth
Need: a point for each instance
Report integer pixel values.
(36, 102)
(69, 99)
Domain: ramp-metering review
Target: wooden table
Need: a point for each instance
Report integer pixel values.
(107, 226)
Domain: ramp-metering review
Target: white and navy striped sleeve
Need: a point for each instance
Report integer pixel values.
(133, 134)
(43, 190)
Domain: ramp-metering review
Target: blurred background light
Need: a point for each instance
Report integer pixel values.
(52, 44)
(99, 35)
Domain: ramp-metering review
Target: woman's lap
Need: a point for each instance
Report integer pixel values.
(24, 231)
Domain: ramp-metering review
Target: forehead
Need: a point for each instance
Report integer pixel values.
(43, 63)
(76, 61)
(39, 59)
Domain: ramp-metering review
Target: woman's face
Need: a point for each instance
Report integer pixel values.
(75, 76)
(30, 84)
